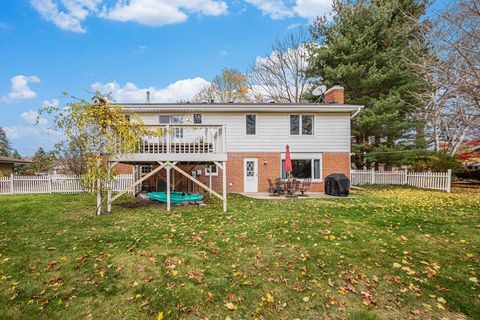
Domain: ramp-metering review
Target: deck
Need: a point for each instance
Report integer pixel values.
(179, 142)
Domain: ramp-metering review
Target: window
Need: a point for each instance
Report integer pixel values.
(164, 119)
(307, 125)
(167, 119)
(145, 169)
(303, 122)
(197, 118)
(294, 124)
(251, 120)
(304, 168)
(214, 170)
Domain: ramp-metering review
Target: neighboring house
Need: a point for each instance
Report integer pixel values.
(250, 139)
(7, 165)
(469, 153)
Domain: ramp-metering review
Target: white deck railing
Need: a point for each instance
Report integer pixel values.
(54, 184)
(179, 139)
(426, 180)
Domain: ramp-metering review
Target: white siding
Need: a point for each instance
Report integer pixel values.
(332, 132)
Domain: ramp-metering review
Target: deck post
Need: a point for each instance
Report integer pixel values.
(224, 186)
(99, 192)
(210, 179)
(109, 189)
(99, 198)
(168, 168)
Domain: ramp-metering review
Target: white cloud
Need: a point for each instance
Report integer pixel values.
(50, 103)
(70, 14)
(281, 9)
(293, 26)
(162, 12)
(310, 9)
(34, 133)
(20, 89)
(276, 9)
(69, 19)
(179, 90)
(32, 117)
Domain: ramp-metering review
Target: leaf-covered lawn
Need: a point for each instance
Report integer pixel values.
(386, 254)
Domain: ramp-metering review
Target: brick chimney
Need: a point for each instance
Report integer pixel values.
(335, 95)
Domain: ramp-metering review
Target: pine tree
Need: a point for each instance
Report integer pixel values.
(4, 144)
(364, 49)
(42, 161)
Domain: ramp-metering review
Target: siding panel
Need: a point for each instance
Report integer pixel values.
(332, 132)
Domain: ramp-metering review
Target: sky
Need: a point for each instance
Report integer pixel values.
(172, 48)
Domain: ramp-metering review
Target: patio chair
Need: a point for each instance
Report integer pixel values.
(290, 188)
(280, 185)
(273, 189)
(304, 187)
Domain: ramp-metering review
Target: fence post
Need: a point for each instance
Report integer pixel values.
(449, 180)
(405, 179)
(373, 176)
(50, 189)
(11, 184)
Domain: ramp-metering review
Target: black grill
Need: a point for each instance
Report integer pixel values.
(337, 184)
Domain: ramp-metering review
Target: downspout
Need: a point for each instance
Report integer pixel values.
(356, 112)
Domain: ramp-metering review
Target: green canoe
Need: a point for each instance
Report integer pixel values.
(175, 197)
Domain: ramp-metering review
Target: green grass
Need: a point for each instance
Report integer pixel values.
(386, 254)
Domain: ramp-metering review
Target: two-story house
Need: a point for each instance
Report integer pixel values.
(248, 139)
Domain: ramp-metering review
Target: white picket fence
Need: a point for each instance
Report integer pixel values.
(54, 184)
(427, 180)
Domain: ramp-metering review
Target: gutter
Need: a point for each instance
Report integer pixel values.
(234, 109)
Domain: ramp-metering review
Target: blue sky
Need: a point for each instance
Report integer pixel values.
(171, 47)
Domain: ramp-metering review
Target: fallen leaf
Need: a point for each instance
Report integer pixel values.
(230, 306)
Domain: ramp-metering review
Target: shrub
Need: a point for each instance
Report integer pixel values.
(439, 162)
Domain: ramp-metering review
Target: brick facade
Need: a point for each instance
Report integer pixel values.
(269, 167)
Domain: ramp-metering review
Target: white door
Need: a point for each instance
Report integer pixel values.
(250, 175)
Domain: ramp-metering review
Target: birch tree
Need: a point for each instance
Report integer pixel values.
(95, 128)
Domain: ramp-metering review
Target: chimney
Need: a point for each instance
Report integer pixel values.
(148, 96)
(335, 94)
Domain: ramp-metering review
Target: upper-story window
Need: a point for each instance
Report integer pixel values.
(251, 123)
(197, 118)
(170, 119)
(301, 124)
(166, 119)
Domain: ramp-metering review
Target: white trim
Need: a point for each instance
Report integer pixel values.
(236, 108)
(245, 174)
(256, 126)
(305, 156)
(207, 172)
(300, 124)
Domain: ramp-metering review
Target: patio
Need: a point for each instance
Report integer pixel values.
(268, 196)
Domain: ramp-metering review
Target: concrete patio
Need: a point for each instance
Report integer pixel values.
(267, 196)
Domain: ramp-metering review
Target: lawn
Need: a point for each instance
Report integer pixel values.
(385, 254)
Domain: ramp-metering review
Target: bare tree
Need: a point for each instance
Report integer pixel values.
(229, 86)
(453, 71)
(73, 155)
(280, 76)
